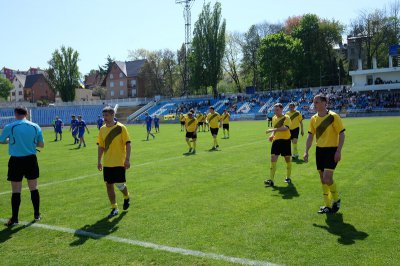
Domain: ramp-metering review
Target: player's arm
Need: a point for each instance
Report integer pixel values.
(87, 129)
(308, 145)
(127, 163)
(302, 127)
(5, 136)
(282, 128)
(100, 151)
(338, 153)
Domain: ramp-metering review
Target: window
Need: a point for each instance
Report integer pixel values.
(20, 86)
(120, 75)
(133, 83)
(133, 92)
(20, 93)
(112, 84)
(112, 93)
(13, 93)
(121, 92)
(111, 76)
(121, 83)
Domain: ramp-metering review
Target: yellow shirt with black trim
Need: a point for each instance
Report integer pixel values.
(225, 118)
(278, 122)
(199, 117)
(113, 140)
(191, 124)
(182, 118)
(295, 118)
(326, 129)
(213, 119)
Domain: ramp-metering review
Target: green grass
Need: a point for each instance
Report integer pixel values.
(213, 202)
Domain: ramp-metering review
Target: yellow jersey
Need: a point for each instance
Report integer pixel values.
(182, 118)
(213, 119)
(225, 118)
(326, 129)
(199, 117)
(113, 140)
(295, 118)
(191, 124)
(278, 122)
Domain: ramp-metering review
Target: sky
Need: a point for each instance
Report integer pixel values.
(32, 30)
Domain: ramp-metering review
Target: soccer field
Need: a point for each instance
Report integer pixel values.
(210, 208)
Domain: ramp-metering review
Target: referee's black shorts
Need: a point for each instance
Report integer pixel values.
(281, 147)
(191, 135)
(114, 175)
(18, 167)
(325, 158)
(294, 134)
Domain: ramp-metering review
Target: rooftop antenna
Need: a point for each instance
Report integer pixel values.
(188, 38)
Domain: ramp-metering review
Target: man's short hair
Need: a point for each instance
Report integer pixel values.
(108, 109)
(321, 97)
(211, 107)
(21, 110)
(72, 115)
(278, 105)
(292, 104)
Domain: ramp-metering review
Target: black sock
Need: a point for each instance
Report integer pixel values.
(35, 201)
(15, 202)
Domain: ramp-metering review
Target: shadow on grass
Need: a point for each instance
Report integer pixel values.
(287, 192)
(347, 232)
(188, 153)
(7, 232)
(97, 230)
(298, 161)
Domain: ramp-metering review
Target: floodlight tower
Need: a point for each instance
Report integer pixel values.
(188, 38)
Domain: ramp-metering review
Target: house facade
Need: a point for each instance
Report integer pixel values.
(17, 93)
(37, 88)
(123, 80)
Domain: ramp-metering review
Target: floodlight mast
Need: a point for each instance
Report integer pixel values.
(188, 39)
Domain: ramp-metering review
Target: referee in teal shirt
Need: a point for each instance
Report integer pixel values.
(22, 137)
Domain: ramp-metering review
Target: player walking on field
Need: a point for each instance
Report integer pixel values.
(214, 121)
(296, 123)
(225, 123)
(329, 131)
(191, 131)
(22, 137)
(280, 137)
(114, 143)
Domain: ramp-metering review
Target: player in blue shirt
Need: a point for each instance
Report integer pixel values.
(74, 128)
(58, 126)
(148, 121)
(100, 122)
(22, 137)
(81, 131)
(156, 124)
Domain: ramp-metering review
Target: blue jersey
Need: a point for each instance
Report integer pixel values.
(81, 126)
(74, 126)
(58, 124)
(156, 121)
(23, 136)
(100, 122)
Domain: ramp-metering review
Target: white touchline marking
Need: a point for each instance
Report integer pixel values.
(137, 165)
(154, 246)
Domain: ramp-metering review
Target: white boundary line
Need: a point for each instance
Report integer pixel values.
(181, 251)
(133, 166)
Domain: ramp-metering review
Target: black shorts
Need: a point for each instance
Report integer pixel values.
(201, 123)
(281, 147)
(18, 167)
(214, 131)
(191, 135)
(114, 174)
(325, 158)
(225, 126)
(294, 134)
(183, 123)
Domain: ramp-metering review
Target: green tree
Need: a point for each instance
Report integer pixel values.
(278, 56)
(232, 58)
(5, 87)
(208, 47)
(63, 73)
(104, 69)
(250, 62)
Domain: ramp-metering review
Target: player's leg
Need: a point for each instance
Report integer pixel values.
(188, 143)
(124, 189)
(194, 139)
(272, 170)
(295, 151)
(15, 202)
(35, 198)
(112, 199)
(288, 160)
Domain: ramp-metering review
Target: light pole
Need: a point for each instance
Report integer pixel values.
(339, 74)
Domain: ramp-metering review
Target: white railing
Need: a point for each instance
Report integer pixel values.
(266, 105)
(141, 110)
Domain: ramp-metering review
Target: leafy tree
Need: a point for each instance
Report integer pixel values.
(5, 87)
(208, 47)
(250, 61)
(63, 73)
(104, 69)
(232, 58)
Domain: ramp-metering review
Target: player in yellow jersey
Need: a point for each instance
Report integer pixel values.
(191, 131)
(225, 123)
(214, 121)
(280, 137)
(200, 121)
(329, 131)
(206, 125)
(296, 124)
(182, 121)
(114, 143)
